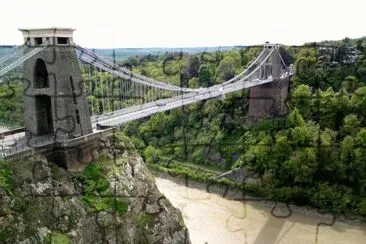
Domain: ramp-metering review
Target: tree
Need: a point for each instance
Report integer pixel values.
(361, 72)
(326, 108)
(306, 60)
(304, 136)
(281, 152)
(244, 57)
(193, 67)
(358, 102)
(295, 119)
(328, 155)
(152, 154)
(193, 83)
(347, 154)
(226, 69)
(350, 83)
(302, 99)
(302, 165)
(342, 107)
(93, 105)
(358, 165)
(341, 54)
(259, 156)
(351, 124)
(204, 76)
(132, 61)
(360, 46)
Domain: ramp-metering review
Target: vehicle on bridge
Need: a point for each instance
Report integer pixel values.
(160, 104)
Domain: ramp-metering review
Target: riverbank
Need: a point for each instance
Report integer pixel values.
(3, 129)
(228, 192)
(212, 218)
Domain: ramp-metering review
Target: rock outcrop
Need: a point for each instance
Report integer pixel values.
(113, 200)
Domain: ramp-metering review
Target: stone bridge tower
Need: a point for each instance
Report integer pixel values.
(269, 100)
(54, 98)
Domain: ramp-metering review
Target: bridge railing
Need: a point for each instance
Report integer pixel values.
(25, 144)
(24, 56)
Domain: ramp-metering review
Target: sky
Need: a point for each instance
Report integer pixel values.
(186, 23)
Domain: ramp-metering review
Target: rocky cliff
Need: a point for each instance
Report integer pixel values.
(113, 200)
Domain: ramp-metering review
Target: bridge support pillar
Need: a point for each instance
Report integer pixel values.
(269, 100)
(77, 153)
(54, 97)
(55, 102)
(76, 157)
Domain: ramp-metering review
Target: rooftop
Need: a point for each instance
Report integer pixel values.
(47, 32)
(46, 29)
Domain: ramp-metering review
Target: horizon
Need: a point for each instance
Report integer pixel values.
(197, 47)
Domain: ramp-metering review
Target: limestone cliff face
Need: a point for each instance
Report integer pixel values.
(113, 200)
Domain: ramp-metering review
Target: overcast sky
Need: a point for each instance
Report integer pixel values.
(186, 23)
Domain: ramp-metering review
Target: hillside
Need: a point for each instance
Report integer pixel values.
(314, 156)
(111, 201)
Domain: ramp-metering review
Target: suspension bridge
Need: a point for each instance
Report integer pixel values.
(111, 94)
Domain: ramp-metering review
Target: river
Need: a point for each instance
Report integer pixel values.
(213, 219)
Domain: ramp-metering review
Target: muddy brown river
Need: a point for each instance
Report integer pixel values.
(213, 219)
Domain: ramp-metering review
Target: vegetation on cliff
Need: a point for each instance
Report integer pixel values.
(114, 199)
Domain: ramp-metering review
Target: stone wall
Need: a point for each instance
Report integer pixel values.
(70, 113)
(268, 100)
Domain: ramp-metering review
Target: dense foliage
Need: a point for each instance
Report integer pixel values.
(315, 156)
(205, 132)
(11, 109)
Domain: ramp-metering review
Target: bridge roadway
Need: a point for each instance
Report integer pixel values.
(136, 112)
(17, 142)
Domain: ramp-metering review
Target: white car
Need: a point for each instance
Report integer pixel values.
(160, 104)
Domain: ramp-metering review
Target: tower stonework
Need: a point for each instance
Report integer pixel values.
(54, 97)
(269, 100)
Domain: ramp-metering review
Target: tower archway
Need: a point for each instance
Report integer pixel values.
(44, 117)
(40, 75)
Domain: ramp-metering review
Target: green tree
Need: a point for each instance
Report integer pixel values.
(302, 165)
(306, 135)
(347, 157)
(193, 67)
(302, 100)
(326, 108)
(361, 72)
(226, 69)
(193, 83)
(204, 76)
(351, 125)
(295, 119)
(350, 84)
(358, 102)
(259, 156)
(357, 167)
(152, 155)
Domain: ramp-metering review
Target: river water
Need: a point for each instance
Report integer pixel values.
(213, 219)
